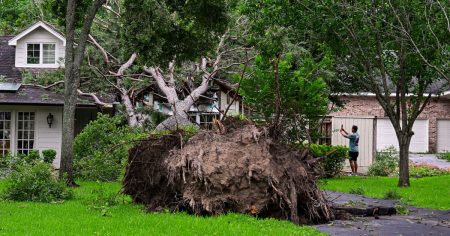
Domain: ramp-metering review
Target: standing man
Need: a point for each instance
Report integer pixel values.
(353, 147)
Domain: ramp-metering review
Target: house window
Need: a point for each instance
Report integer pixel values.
(44, 53)
(325, 133)
(206, 120)
(33, 53)
(5, 133)
(49, 53)
(25, 132)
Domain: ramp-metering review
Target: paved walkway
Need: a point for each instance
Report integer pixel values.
(429, 159)
(418, 222)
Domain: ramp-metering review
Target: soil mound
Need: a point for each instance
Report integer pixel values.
(242, 171)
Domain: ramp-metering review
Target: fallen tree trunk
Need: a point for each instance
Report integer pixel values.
(241, 171)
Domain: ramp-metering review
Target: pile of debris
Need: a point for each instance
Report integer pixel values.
(241, 170)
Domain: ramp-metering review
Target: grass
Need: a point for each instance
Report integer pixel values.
(75, 217)
(429, 192)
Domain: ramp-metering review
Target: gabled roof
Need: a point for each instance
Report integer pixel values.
(48, 27)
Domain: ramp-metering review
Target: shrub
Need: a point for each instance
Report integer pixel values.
(426, 171)
(35, 182)
(32, 156)
(386, 163)
(333, 163)
(101, 149)
(444, 156)
(49, 155)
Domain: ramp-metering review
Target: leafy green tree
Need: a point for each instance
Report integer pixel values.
(397, 50)
(161, 30)
(15, 15)
(304, 93)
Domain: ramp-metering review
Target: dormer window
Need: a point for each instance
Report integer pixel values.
(33, 53)
(41, 53)
(49, 54)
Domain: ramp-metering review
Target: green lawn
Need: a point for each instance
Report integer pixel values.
(430, 192)
(75, 217)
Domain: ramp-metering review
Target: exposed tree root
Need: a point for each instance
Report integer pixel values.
(240, 171)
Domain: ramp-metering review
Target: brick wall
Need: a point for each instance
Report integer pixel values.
(369, 106)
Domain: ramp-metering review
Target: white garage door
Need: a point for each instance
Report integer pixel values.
(443, 135)
(386, 135)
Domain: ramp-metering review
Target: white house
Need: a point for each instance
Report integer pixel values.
(31, 116)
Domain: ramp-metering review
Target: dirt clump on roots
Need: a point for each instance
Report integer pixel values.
(242, 170)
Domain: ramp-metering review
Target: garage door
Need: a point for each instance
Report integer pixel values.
(443, 135)
(386, 136)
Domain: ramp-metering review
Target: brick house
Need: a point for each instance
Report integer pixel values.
(432, 128)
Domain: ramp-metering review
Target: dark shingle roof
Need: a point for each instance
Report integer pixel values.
(34, 95)
(7, 57)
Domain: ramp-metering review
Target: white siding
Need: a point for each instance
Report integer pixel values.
(45, 137)
(443, 135)
(39, 35)
(234, 108)
(366, 141)
(386, 135)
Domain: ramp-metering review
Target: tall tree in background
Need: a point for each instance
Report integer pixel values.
(75, 48)
(399, 48)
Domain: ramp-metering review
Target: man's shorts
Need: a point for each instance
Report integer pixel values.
(353, 156)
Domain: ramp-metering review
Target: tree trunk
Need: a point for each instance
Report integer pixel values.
(132, 117)
(70, 96)
(74, 58)
(404, 142)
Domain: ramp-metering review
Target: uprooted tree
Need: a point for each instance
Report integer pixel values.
(239, 170)
(238, 167)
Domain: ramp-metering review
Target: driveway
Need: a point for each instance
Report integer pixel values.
(419, 222)
(429, 159)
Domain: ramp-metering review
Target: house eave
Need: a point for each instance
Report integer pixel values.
(13, 41)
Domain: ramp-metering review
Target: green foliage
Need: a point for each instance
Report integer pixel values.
(49, 155)
(58, 9)
(35, 182)
(32, 156)
(101, 149)
(15, 15)
(392, 194)
(426, 171)
(386, 163)
(160, 30)
(401, 209)
(444, 156)
(334, 162)
(304, 93)
(357, 190)
(45, 78)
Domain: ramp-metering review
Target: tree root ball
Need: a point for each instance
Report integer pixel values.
(240, 171)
